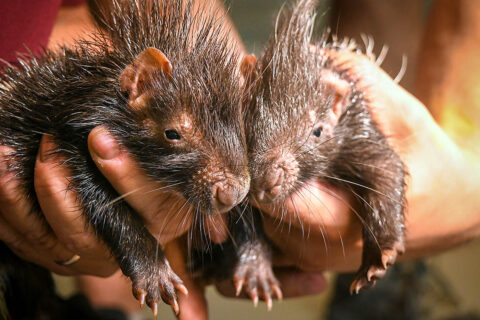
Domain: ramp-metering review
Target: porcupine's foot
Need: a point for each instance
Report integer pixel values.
(162, 284)
(256, 276)
(374, 267)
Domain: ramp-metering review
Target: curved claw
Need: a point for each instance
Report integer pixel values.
(181, 288)
(175, 307)
(375, 273)
(268, 301)
(254, 297)
(154, 308)
(142, 299)
(238, 287)
(278, 292)
(255, 301)
(361, 283)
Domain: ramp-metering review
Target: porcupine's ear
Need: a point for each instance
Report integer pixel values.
(339, 91)
(135, 78)
(248, 72)
(247, 69)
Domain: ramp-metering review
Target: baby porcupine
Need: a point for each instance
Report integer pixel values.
(307, 120)
(165, 85)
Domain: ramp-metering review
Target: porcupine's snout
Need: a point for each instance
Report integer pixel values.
(226, 195)
(276, 179)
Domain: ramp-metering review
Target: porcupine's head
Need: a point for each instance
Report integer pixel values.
(293, 102)
(183, 92)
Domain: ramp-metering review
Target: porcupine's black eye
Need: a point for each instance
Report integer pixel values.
(317, 132)
(172, 134)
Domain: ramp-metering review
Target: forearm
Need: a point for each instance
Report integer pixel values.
(444, 206)
(443, 209)
(445, 84)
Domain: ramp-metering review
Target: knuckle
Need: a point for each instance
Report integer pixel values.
(43, 184)
(10, 193)
(41, 237)
(16, 244)
(80, 243)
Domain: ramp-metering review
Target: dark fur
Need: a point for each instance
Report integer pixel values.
(351, 153)
(246, 251)
(69, 93)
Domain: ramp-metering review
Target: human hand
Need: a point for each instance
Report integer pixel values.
(64, 234)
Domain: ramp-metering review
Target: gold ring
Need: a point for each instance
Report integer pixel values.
(70, 261)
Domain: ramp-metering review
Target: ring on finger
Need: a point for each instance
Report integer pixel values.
(70, 261)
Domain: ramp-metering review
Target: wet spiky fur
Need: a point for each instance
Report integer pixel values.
(66, 94)
(290, 101)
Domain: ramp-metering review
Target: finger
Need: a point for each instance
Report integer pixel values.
(165, 214)
(120, 169)
(316, 204)
(217, 228)
(17, 213)
(293, 283)
(194, 305)
(21, 248)
(404, 114)
(115, 290)
(63, 212)
(323, 249)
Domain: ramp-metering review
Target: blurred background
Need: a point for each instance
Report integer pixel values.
(443, 287)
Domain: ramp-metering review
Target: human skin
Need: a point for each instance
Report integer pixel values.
(448, 83)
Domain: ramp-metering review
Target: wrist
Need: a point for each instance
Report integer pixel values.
(443, 209)
(471, 174)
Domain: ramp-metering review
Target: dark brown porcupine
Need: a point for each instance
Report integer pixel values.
(307, 120)
(164, 83)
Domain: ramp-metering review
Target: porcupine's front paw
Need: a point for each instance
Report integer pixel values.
(151, 286)
(256, 276)
(375, 266)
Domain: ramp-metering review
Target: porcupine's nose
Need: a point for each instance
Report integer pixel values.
(272, 185)
(227, 196)
(277, 180)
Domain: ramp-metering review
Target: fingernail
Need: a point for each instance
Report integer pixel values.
(314, 282)
(46, 148)
(104, 145)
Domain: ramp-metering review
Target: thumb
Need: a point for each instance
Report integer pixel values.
(194, 305)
